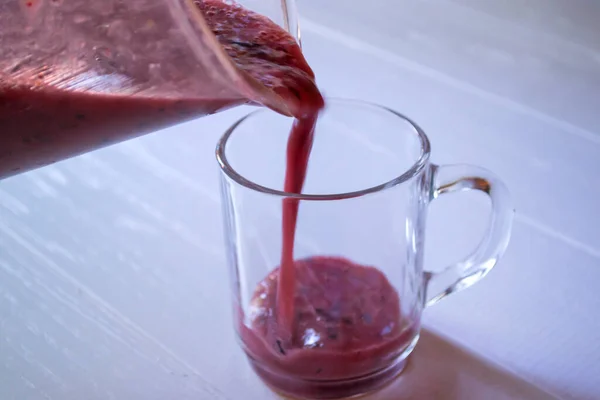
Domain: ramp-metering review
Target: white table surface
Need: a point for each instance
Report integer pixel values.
(112, 264)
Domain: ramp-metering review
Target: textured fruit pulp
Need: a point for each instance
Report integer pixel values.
(347, 325)
(41, 124)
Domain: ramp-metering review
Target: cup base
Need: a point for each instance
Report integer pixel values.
(292, 388)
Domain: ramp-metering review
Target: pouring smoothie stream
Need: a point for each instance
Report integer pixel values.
(115, 70)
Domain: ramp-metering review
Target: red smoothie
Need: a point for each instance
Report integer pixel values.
(348, 330)
(41, 123)
(39, 126)
(315, 324)
(298, 151)
(319, 327)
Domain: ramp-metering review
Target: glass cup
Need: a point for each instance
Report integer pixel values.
(360, 282)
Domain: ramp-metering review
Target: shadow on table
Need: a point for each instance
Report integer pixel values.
(440, 369)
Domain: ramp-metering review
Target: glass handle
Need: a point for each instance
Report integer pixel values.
(457, 178)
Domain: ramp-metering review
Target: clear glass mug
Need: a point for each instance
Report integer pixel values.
(361, 286)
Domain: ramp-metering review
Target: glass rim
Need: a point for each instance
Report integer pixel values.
(408, 174)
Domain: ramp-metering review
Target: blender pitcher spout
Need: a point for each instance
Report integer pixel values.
(77, 75)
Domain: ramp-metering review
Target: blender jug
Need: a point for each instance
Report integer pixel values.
(76, 75)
